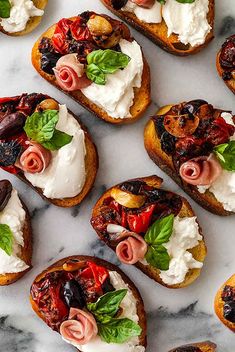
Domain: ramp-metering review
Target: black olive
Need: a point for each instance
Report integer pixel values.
(192, 106)
(5, 193)
(12, 124)
(159, 125)
(48, 61)
(118, 4)
(9, 152)
(73, 294)
(107, 286)
(168, 143)
(228, 293)
(229, 311)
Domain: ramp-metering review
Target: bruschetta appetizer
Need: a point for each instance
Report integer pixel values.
(206, 346)
(44, 144)
(92, 304)
(194, 143)
(153, 229)
(225, 303)
(20, 17)
(94, 59)
(15, 235)
(181, 27)
(226, 63)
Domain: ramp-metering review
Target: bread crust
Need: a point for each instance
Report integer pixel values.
(219, 304)
(153, 146)
(26, 252)
(32, 23)
(206, 346)
(91, 165)
(199, 252)
(142, 97)
(111, 267)
(157, 32)
(230, 83)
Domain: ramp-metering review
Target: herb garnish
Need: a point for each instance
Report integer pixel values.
(5, 8)
(6, 239)
(226, 155)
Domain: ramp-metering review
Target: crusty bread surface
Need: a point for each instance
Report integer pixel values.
(206, 346)
(230, 83)
(157, 32)
(199, 252)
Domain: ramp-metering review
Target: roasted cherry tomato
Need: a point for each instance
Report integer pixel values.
(140, 222)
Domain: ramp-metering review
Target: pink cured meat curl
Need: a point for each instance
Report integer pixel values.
(132, 249)
(144, 3)
(70, 74)
(35, 159)
(80, 328)
(201, 171)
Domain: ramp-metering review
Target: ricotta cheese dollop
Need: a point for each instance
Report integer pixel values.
(66, 174)
(21, 12)
(185, 236)
(224, 187)
(153, 15)
(189, 21)
(117, 95)
(129, 310)
(13, 215)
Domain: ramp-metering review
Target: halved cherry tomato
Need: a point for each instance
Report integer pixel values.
(94, 276)
(220, 131)
(140, 222)
(79, 30)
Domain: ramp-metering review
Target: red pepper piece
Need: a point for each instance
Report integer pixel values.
(220, 131)
(9, 99)
(140, 222)
(57, 303)
(79, 30)
(94, 276)
(59, 38)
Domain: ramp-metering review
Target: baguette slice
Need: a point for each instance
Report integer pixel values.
(25, 255)
(206, 346)
(199, 252)
(141, 99)
(91, 165)
(231, 82)
(111, 267)
(153, 146)
(157, 32)
(33, 21)
(219, 304)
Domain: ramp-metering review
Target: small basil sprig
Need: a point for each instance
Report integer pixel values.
(159, 233)
(102, 62)
(5, 8)
(40, 127)
(6, 239)
(226, 155)
(111, 329)
(181, 1)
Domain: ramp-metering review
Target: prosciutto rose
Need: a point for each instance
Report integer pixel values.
(35, 159)
(70, 74)
(80, 328)
(132, 249)
(201, 171)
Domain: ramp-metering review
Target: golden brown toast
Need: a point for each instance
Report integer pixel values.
(206, 346)
(26, 253)
(111, 267)
(157, 32)
(219, 304)
(231, 82)
(199, 252)
(142, 95)
(33, 21)
(153, 146)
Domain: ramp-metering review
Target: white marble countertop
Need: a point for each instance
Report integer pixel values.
(174, 317)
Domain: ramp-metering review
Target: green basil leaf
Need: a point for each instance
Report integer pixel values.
(107, 304)
(158, 257)
(40, 126)
(5, 8)
(160, 231)
(6, 239)
(95, 74)
(108, 61)
(118, 330)
(58, 140)
(186, 1)
(226, 155)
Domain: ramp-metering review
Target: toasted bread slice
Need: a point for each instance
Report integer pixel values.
(219, 303)
(206, 346)
(141, 99)
(231, 82)
(25, 255)
(33, 21)
(153, 146)
(199, 252)
(111, 267)
(157, 32)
